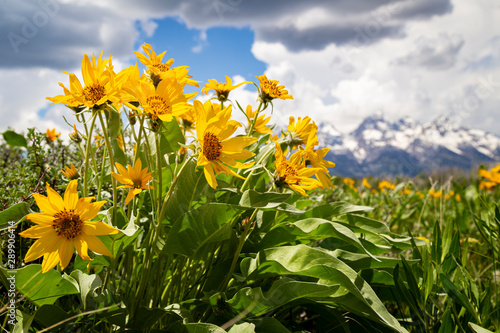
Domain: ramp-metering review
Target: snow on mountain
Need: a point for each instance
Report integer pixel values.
(379, 146)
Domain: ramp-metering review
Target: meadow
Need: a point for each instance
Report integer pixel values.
(164, 214)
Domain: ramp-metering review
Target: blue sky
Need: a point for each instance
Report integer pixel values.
(341, 60)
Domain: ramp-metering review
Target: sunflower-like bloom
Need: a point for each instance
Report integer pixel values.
(366, 183)
(293, 173)
(301, 131)
(63, 226)
(70, 172)
(350, 182)
(136, 179)
(51, 134)
(222, 89)
(164, 101)
(385, 184)
(260, 123)
(217, 151)
(99, 85)
(315, 158)
(158, 70)
(270, 90)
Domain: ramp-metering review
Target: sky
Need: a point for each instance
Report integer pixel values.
(342, 60)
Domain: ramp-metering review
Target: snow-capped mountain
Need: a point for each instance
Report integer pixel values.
(379, 147)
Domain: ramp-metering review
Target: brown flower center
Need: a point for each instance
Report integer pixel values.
(158, 106)
(211, 146)
(161, 67)
(137, 183)
(94, 93)
(67, 224)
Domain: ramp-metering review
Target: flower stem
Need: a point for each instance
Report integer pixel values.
(87, 154)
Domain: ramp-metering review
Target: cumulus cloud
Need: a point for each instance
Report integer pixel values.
(434, 53)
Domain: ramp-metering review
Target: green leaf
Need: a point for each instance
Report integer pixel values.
(269, 325)
(242, 328)
(367, 224)
(88, 283)
(11, 214)
(254, 199)
(48, 315)
(282, 291)
(191, 186)
(14, 139)
(42, 288)
(203, 328)
(198, 227)
(310, 229)
(457, 296)
(114, 129)
(478, 329)
(329, 210)
(354, 294)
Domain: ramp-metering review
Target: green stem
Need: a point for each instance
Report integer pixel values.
(252, 125)
(112, 165)
(87, 154)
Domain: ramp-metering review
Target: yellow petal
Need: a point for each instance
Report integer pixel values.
(54, 198)
(40, 218)
(236, 144)
(95, 245)
(82, 247)
(89, 210)
(37, 231)
(130, 196)
(44, 204)
(98, 228)
(49, 261)
(209, 175)
(71, 195)
(66, 250)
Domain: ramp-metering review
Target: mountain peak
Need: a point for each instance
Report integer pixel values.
(379, 147)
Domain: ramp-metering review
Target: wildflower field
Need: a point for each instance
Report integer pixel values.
(161, 213)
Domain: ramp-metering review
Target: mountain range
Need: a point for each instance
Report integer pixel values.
(379, 147)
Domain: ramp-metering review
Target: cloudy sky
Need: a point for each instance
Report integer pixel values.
(342, 60)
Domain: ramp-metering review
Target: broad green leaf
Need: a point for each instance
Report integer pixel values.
(308, 230)
(14, 139)
(88, 283)
(190, 186)
(359, 261)
(367, 224)
(282, 291)
(13, 214)
(203, 328)
(478, 329)
(209, 223)
(242, 328)
(254, 199)
(321, 264)
(269, 325)
(147, 317)
(329, 210)
(48, 315)
(42, 288)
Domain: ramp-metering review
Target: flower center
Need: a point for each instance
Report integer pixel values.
(211, 146)
(137, 183)
(158, 106)
(162, 67)
(94, 93)
(67, 224)
(270, 89)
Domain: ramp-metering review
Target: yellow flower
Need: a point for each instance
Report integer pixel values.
(366, 183)
(164, 101)
(385, 184)
(51, 134)
(293, 173)
(423, 238)
(159, 71)
(70, 172)
(349, 181)
(315, 158)
(222, 89)
(270, 90)
(406, 191)
(493, 177)
(217, 150)
(260, 123)
(99, 85)
(75, 136)
(63, 226)
(420, 195)
(136, 179)
(99, 140)
(436, 195)
(301, 130)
